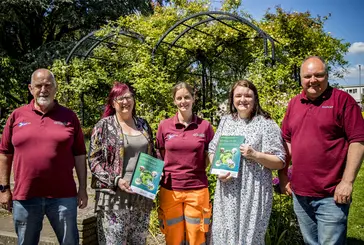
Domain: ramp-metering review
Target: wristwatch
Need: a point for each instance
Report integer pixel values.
(4, 187)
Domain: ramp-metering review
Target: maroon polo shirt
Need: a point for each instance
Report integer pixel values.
(43, 149)
(185, 149)
(320, 132)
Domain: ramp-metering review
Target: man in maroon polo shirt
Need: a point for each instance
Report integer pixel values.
(44, 142)
(324, 131)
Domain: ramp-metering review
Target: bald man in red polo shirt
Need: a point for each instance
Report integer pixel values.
(324, 131)
(44, 142)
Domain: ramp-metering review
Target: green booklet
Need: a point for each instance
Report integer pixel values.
(146, 176)
(227, 155)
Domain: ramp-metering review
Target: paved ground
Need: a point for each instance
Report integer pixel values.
(8, 236)
(7, 231)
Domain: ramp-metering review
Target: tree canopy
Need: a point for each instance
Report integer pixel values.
(36, 32)
(27, 25)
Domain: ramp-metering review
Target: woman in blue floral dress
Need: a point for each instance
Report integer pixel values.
(242, 205)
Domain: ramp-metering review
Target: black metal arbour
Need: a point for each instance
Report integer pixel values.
(198, 56)
(218, 16)
(87, 44)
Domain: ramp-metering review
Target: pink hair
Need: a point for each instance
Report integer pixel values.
(117, 90)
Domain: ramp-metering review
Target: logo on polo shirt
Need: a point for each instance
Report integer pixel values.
(327, 106)
(61, 123)
(171, 136)
(21, 124)
(199, 135)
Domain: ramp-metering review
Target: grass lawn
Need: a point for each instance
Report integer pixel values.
(356, 215)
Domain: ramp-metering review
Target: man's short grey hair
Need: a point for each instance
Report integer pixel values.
(315, 57)
(43, 69)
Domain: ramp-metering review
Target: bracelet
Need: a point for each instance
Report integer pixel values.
(116, 182)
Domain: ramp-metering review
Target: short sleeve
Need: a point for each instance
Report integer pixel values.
(209, 136)
(272, 142)
(286, 132)
(159, 142)
(353, 122)
(215, 139)
(6, 146)
(78, 147)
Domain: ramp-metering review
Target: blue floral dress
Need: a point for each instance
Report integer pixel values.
(242, 205)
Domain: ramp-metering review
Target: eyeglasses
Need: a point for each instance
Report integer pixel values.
(121, 98)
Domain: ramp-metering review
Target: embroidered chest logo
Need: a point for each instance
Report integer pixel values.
(199, 135)
(61, 123)
(327, 106)
(21, 124)
(170, 136)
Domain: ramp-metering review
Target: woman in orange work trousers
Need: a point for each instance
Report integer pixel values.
(182, 141)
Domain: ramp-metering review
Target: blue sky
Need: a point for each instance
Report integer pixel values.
(346, 22)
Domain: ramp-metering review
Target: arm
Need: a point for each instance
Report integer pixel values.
(5, 169)
(209, 137)
(353, 125)
(211, 157)
(97, 159)
(213, 145)
(284, 183)
(272, 155)
(354, 160)
(6, 160)
(80, 166)
(207, 159)
(162, 153)
(267, 160)
(159, 142)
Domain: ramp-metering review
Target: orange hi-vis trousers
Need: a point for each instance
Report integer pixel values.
(184, 216)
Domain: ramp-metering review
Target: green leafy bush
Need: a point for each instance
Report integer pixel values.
(283, 228)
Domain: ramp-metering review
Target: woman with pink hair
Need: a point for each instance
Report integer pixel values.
(116, 141)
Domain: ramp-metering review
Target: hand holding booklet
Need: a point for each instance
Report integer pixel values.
(146, 176)
(227, 155)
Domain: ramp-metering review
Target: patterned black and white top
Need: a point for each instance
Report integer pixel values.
(242, 205)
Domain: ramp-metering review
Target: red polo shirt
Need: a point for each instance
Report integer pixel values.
(320, 132)
(43, 149)
(185, 149)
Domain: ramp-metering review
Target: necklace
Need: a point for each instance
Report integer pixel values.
(243, 118)
(186, 123)
(125, 138)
